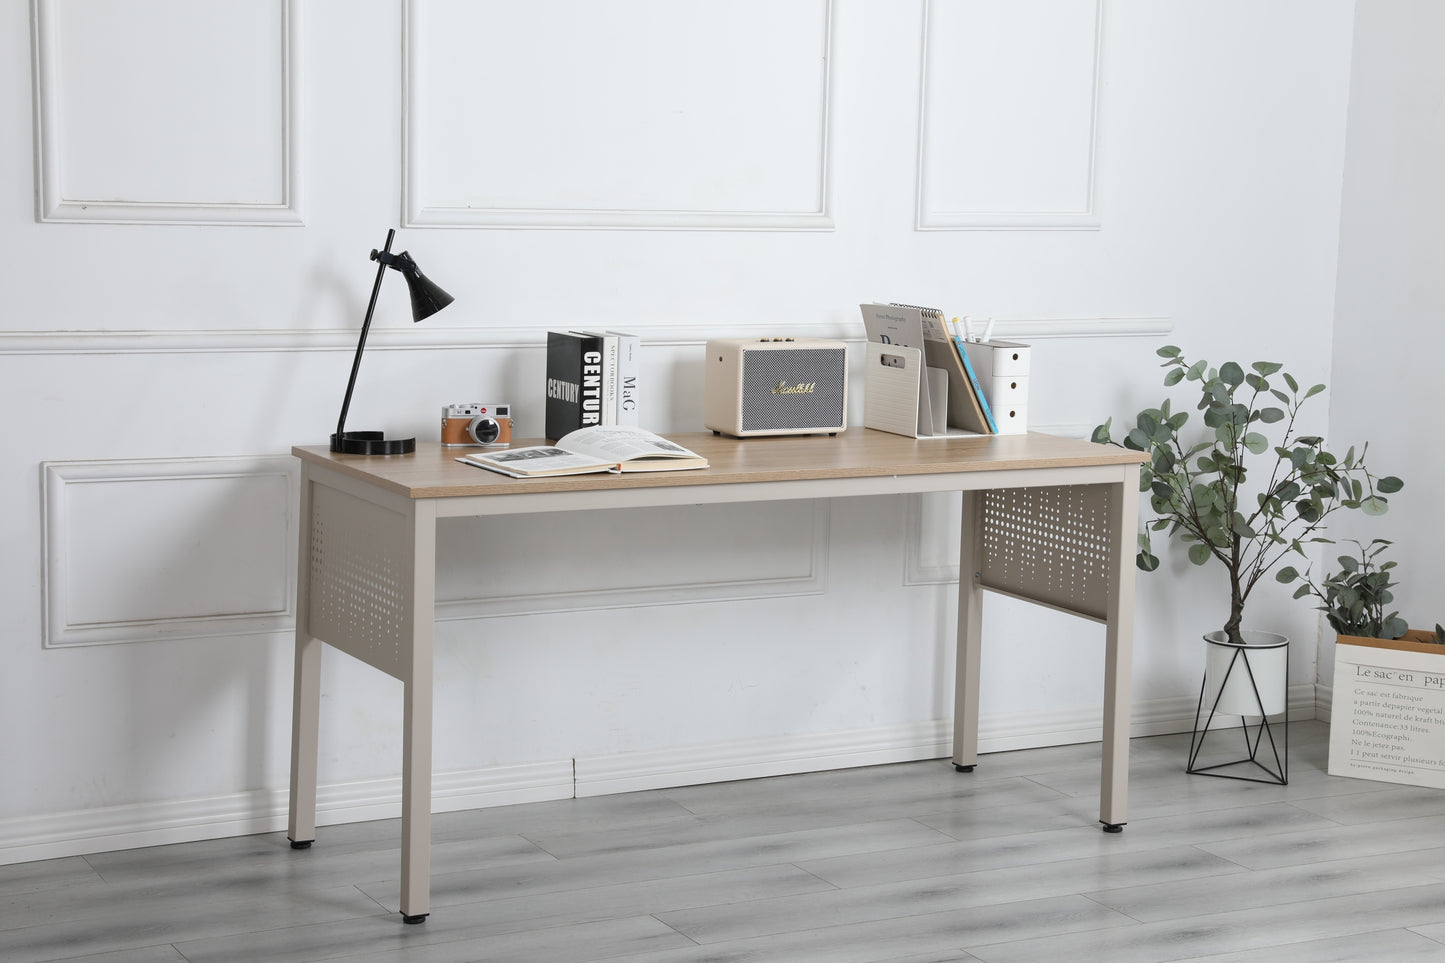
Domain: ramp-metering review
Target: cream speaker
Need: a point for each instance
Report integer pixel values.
(776, 386)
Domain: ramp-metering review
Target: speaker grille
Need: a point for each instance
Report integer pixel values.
(767, 409)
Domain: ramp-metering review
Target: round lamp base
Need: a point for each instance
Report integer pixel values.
(371, 443)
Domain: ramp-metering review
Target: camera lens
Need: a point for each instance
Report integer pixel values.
(484, 430)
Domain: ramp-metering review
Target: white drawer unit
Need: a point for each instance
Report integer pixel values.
(1003, 373)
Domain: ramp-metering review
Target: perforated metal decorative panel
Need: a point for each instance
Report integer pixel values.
(1050, 545)
(769, 405)
(357, 588)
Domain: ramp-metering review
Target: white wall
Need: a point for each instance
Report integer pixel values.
(1389, 336)
(193, 191)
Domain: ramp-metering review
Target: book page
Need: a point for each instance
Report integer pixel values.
(522, 462)
(619, 443)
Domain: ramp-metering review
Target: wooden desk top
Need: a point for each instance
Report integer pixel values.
(433, 471)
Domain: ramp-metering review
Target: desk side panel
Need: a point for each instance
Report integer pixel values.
(1051, 545)
(359, 578)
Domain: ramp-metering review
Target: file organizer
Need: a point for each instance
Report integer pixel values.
(1003, 373)
(892, 381)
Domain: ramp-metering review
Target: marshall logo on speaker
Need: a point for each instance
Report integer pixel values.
(776, 386)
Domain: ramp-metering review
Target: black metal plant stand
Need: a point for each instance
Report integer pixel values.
(1278, 752)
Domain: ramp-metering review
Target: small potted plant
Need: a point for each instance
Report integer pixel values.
(1243, 490)
(1354, 598)
(1385, 714)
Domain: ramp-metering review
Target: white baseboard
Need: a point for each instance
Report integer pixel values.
(51, 836)
(79, 832)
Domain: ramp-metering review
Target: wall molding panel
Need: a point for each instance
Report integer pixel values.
(705, 145)
(792, 547)
(438, 338)
(1001, 145)
(168, 549)
(215, 150)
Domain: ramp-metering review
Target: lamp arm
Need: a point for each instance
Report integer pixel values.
(365, 327)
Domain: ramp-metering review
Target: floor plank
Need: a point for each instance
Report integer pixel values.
(912, 863)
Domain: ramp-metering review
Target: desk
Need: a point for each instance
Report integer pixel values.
(1050, 520)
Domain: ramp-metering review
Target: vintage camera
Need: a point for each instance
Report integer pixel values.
(476, 424)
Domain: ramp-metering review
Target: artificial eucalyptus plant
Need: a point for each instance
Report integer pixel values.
(1198, 487)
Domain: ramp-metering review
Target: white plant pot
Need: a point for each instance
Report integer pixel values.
(1264, 657)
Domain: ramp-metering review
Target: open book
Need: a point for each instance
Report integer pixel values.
(595, 448)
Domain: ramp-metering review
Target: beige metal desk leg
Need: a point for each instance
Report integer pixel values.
(1119, 658)
(416, 773)
(970, 637)
(306, 691)
(305, 715)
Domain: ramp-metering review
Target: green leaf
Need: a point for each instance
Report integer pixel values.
(1168, 351)
(1173, 377)
(1270, 415)
(1293, 384)
(1287, 574)
(1314, 391)
(1256, 443)
(1199, 553)
(1389, 484)
(1196, 370)
(1101, 433)
(1374, 505)
(1231, 374)
(1266, 367)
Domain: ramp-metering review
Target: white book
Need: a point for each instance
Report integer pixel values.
(629, 368)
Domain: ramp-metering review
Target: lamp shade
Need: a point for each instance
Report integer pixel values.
(426, 298)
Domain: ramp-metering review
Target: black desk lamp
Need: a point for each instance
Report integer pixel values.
(426, 299)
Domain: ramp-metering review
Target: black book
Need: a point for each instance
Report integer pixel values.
(574, 382)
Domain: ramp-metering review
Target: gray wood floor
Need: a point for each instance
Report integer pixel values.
(910, 863)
